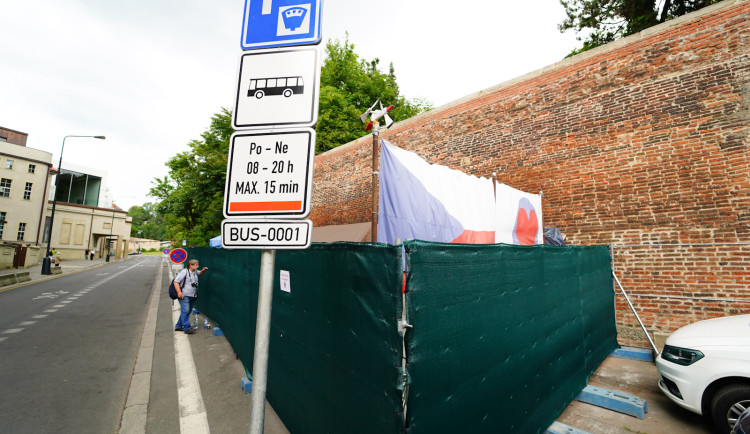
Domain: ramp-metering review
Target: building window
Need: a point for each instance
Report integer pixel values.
(78, 188)
(27, 191)
(5, 187)
(8, 164)
(21, 231)
(3, 139)
(32, 168)
(2, 223)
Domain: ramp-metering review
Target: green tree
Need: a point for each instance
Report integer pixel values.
(191, 196)
(349, 85)
(608, 20)
(147, 222)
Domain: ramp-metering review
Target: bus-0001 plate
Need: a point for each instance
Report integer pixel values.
(266, 234)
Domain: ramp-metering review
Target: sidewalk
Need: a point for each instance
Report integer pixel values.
(35, 272)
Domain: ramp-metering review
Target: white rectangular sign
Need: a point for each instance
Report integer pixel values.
(277, 88)
(270, 173)
(266, 234)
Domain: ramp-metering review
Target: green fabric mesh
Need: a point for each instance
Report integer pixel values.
(503, 339)
(335, 351)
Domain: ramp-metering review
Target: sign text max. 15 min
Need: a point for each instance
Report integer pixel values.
(277, 167)
(270, 174)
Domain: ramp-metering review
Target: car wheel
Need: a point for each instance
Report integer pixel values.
(259, 94)
(288, 93)
(728, 404)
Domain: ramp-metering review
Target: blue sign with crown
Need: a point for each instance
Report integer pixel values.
(277, 23)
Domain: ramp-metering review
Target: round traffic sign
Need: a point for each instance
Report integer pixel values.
(178, 255)
(165, 251)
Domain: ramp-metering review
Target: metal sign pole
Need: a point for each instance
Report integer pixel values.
(375, 186)
(262, 334)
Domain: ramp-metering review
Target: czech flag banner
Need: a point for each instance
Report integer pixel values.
(419, 200)
(519, 217)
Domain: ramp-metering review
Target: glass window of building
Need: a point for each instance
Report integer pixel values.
(21, 231)
(27, 191)
(8, 164)
(78, 188)
(32, 168)
(2, 223)
(5, 184)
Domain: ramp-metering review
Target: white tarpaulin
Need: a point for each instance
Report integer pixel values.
(518, 216)
(430, 202)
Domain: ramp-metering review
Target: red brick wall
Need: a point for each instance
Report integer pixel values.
(643, 141)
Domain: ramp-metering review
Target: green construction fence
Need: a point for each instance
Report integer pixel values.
(500, 338)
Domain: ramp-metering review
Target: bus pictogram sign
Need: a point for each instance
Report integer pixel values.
(178, 256)
(277, 88)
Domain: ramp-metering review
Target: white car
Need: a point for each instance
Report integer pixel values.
(705, 367)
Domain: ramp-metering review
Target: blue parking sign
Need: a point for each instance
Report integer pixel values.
(276, 23)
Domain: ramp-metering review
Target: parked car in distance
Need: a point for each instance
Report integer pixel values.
(705, 368)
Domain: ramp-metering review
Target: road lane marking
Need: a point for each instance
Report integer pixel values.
(27, 323)
(9, 331)
(51, 310)
(2, 339)
(135, 414)
(66, 302)
(58, 306)
(39, 316)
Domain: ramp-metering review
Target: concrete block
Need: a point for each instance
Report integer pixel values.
(55, 270)
(561, 428)
(23, 276)
(218, 332)
(247, 385)
(643, 354)
(617, 401)
(8, 279)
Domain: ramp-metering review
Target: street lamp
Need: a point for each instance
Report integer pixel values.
(54, 199)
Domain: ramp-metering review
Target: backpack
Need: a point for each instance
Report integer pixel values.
(173, 291)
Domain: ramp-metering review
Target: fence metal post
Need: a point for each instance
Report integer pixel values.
(635, 313)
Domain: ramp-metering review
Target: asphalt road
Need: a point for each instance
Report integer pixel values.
(67, 348)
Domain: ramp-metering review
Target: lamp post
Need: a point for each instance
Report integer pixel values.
(109, 240)
(54, 199)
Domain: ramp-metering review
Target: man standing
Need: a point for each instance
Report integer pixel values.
(187, 292)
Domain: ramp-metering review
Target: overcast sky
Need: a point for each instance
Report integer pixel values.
(149, 74)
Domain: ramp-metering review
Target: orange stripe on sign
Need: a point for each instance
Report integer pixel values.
(292, 205)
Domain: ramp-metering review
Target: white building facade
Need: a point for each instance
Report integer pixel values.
(27, 195)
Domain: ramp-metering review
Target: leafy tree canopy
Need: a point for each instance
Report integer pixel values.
(147, 222)
(190, 198)
(608, 20)
(348, 86)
